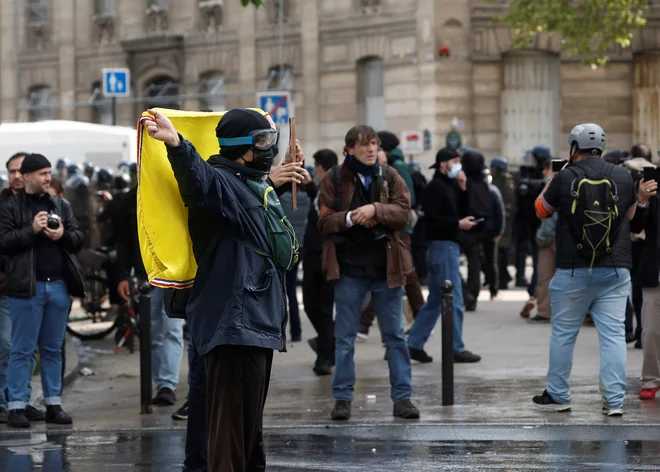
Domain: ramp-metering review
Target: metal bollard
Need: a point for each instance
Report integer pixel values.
(447, 344)
(145, 353)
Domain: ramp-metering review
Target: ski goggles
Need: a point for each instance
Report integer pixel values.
(262, 139)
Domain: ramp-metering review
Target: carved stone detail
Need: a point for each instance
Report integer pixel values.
(105, 27)
(273, 11)
(157, 18)
(368, 7)
(212, 14)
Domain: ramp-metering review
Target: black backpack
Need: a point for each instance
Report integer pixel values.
(595, 219)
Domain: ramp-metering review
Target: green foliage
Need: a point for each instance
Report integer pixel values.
(256, 3)
(588, 28)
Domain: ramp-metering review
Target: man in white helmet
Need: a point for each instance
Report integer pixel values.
(594, 200)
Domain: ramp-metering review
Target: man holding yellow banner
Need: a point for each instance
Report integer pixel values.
(243, 244)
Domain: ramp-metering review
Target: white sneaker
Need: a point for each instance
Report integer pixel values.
(613, 411)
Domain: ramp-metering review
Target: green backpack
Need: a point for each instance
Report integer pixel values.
(283, 242)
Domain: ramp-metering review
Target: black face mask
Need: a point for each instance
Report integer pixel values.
(262, 160)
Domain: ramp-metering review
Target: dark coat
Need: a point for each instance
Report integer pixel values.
(238, 295)
(17, 240)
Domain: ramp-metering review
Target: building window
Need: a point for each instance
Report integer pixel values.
(368, 6)
(280, 78)
(276, 7)
(212, 86)
(37, 11)
(158, 4)
(371, 96)
(211, 14)
(162, 92)
(101, 106)
(157, 18)
(104, 7)
(39, 103)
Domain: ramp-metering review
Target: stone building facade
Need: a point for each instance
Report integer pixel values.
(395, 64)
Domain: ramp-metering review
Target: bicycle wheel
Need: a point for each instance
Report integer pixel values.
(95, 319)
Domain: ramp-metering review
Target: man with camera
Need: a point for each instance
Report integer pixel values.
(39, 235)
(364, 208)
(594, 200)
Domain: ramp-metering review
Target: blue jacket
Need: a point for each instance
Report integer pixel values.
(238, 296)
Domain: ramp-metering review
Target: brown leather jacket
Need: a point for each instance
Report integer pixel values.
(393, 216)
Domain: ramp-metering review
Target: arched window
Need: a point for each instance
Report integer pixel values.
(101, 106)
(163, 92)
(40, 102)
(212, 85)
(280, 78)
(370, 92)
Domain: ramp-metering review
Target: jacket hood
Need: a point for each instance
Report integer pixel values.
(637, 164)
(395, 154)
(473, 163)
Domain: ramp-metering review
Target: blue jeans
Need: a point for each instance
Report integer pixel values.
(388, 303)
(442, 259)
(166, 343)
(604, 295)
(38, 321)
(196, 427)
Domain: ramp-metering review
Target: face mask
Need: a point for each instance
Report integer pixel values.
(455, 170)
(262, 160)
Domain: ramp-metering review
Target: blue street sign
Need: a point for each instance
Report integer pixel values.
(116, 82)
(277, 104)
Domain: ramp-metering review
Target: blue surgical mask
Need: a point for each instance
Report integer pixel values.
(455, 170)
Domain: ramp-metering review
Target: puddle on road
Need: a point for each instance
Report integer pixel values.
(331, 450)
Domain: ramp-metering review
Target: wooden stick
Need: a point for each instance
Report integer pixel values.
(294, 155)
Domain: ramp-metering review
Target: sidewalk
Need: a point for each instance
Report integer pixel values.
(496, 391)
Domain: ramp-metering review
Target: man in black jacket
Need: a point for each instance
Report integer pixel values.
(318, 293)
(445, 206)
(39, 234)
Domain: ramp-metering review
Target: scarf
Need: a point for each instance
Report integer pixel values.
(360, 168)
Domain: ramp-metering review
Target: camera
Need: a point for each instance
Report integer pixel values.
(53, 221)
(379, 232)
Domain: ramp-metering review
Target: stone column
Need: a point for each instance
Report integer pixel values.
(426, 75)
(64, 30)
(8, 66)
(247, 73)
(309, 25)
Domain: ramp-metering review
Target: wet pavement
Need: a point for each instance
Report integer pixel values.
(492, 425)
(416, 448)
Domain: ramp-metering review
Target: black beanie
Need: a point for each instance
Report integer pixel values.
(237, 123)
(33, 163)
(388, 140)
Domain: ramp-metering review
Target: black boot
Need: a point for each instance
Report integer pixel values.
(17, 419)
(55, 415)
(341, 411)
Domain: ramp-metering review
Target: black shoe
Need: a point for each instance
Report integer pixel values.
(521, 283)
(471, 307)
(630, 337)
(55, 415)
(17, 419)
(181, 413)
(419, 355)
(406, 410)
(363, 333)
(165, 397)
(546, 403)
(638, 344)
(296, 339)
(465, 357)
(538, 319)
(314, 344)
(33, 414)
(341, 411)
(323, 367)
(3, 415)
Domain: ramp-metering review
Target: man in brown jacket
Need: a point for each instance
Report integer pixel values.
(364, 208)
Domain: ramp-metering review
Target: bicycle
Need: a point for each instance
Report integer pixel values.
(99, 319)
(128, 323)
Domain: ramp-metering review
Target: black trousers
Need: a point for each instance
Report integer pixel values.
(504, 253)
(491, 269)
(319, 299)
(473, 252)
(196, 427)
(237, 385)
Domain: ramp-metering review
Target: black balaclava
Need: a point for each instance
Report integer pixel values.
(237, 123)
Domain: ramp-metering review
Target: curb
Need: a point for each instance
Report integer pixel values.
(72, 367)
